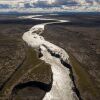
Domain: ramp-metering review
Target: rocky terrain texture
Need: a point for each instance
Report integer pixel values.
(81, 39)
(22, 75)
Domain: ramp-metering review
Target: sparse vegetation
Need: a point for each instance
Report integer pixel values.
(82, 78)
(21, 60)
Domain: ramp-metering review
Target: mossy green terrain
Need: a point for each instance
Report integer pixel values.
(80, 37)
(19, 63)
(31, 66)
(82, 79)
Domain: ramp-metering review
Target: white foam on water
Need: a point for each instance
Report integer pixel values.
(62, 84)
(29, 16)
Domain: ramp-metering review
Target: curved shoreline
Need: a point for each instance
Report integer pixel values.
(62, 87)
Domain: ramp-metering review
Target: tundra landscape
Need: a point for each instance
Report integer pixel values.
(50, 56)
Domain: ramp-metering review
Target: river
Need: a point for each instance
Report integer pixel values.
(62, 85)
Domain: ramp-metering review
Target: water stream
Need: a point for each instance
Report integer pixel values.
(62, 85)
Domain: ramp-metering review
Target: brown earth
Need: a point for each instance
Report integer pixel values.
(81, 39)
(22, 75)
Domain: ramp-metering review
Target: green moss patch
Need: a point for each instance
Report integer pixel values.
(83, 80)
(31, 64)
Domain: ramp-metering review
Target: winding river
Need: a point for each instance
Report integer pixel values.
(62, 86)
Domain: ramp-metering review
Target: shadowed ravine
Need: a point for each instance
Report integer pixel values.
(63, 85)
